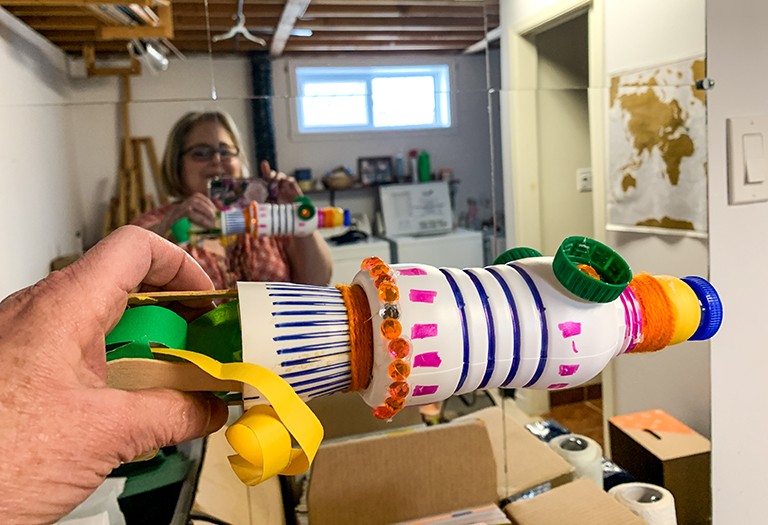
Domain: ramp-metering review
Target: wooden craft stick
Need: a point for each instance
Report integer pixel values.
(139, 374)
(145, 298)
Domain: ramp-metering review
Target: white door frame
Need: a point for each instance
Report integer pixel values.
(520, 159)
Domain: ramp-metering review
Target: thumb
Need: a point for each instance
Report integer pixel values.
(266, 169)
(152, 419)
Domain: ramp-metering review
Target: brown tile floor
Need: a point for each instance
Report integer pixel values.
(583, 417)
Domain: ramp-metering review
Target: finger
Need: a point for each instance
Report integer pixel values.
(123, 260)
(203, 204)
(203, 216)
(152, 419)
(266, 170)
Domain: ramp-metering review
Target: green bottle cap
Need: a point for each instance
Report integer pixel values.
(306, 209)
(613, 271)
(515, 254)
(180, 230)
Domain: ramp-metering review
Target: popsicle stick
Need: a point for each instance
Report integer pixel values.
(145, 298)
(139, 374)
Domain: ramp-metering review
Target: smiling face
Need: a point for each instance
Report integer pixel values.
(210, 152)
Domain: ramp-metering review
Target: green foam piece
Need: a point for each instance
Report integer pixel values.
(217, 334)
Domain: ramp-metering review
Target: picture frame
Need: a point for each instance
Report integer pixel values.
(375, 170)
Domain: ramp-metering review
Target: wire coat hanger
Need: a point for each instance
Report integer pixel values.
(239, 29)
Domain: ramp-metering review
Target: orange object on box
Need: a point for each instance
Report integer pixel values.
(655, 420)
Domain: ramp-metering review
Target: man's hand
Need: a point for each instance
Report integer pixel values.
(64, 430)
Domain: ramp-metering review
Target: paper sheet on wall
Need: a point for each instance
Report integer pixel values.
(657, 149)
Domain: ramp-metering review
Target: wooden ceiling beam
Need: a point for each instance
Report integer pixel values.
(442, 3)
(381, 11)
(338, 25)
(366, 47)
(226, 10)
(70, 3)
(63, 24)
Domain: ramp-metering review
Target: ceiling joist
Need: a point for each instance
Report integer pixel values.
(381, 26)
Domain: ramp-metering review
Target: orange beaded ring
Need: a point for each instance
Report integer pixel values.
(397, 346)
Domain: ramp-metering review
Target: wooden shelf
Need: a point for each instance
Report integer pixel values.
(355, 187)
(105, 26)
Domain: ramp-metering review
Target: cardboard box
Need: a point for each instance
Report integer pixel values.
(346, 414)
(580, 502)
(403, 475)
(525, 463)
(656, 448)
(222, 495)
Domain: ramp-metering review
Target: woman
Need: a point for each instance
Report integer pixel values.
(203, 146)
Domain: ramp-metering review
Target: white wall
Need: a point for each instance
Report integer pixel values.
(637, 33)
(563, 132)
(465, 149)
(157, 101)
(40, 208)
(737, 49)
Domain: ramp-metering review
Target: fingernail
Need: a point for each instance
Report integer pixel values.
(146, 456)
(217, 414)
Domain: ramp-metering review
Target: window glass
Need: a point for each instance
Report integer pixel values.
(336, 99)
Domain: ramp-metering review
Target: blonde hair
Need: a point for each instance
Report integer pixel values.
(170, 171)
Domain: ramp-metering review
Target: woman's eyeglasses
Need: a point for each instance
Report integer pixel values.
(205, 152)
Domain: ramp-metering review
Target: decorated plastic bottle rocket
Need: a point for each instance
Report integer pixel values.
(299, 218)
(412, 334)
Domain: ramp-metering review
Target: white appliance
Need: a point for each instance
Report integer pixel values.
(418, 219)
(416, 209)
(347, 258)
(457, 249)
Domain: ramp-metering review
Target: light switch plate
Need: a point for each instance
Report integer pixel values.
(747, 146)
(584, 180)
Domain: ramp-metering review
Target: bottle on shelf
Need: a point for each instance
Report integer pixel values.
(400, 167)
(425, 170)
(413, 161)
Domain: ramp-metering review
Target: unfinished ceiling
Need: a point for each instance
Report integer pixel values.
(286, 26)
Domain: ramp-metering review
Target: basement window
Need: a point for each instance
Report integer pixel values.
(375, 98)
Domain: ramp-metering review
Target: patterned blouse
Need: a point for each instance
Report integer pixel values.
(244, 259)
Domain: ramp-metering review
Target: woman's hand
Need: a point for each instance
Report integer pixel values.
(197, 207)
(282, 188)
(64, 430)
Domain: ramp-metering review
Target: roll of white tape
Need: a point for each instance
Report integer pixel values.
(654, 504)
(584, 453)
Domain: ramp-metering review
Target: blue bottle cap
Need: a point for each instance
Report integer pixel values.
(711, 307)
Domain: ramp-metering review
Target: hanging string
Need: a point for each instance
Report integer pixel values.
(214, 96)
(491, 136)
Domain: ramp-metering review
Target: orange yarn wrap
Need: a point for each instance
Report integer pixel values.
(659, 314)
(360, 335)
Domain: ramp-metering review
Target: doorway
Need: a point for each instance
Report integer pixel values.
(556, 156)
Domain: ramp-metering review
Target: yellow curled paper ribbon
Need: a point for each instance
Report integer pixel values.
(262, 436)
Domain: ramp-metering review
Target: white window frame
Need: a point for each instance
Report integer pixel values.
(448, 104)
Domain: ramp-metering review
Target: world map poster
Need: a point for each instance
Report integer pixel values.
(657, 149)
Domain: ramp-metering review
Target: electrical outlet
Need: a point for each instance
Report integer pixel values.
(584, 180)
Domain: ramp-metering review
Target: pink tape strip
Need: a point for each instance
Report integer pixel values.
(570, 328)
(422, 296)
(427, 359)
(424, 390)
(422, 331)
(411, 271)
